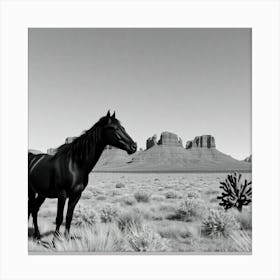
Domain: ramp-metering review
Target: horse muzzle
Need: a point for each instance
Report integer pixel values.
(132, 148)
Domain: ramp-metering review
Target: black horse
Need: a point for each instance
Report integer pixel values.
(65, 174)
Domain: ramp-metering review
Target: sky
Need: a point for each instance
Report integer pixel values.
(187, 81)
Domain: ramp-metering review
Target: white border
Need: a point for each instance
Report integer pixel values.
(17, 16)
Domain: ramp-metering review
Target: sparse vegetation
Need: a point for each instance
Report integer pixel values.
(128, 200)
(193, 194)
(87, 194)
(108, 213)
(149, 215)
(130, 219)
(85, 217)
(219, 223)
(142, 196)
(172, 195)
(241, 240)
(190, 208)
(120, 185)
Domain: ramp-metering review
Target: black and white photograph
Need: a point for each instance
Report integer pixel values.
(139, 140)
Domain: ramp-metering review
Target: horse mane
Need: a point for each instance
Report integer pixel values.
(80, 147)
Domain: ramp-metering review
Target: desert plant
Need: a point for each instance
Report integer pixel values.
(193, 194)
(128, 200)
(144, 239)
(120, 185)
(235, 192)
(85, 217)
(108, 213)
(87, 194)
(172, 195)
(127, 220)
(142, 196)
(190, 208)
(219, 223)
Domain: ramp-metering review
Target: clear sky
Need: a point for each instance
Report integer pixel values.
(187, 81)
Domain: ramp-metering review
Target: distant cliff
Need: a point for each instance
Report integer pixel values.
(166, 138)
(170, 139)
(248, 159)
(151, 141)
(204, 141)
(168, 155)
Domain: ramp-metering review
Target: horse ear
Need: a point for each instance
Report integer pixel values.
(114, 115)
(108, 114)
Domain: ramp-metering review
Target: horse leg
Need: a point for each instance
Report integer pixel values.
(73, 200)
(35, 209)
(60, 207)
(31, 201)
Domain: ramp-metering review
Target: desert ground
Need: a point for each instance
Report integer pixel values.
(148, 212)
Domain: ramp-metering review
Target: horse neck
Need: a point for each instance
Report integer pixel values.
(94, 152)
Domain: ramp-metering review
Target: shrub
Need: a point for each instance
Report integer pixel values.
(142, 196)
(190, 208)
(146, 240)
(219, 223)
(193, 194)
(85, 217)
(236, 193)
(86, 194)
(172, 195)
(120, 185)
(128, 200)
(127, 220)
(108, 213)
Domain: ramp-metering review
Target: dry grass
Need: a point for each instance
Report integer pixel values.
(142, 196)
(148, 213)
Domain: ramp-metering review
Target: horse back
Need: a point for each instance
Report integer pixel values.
(41, 174)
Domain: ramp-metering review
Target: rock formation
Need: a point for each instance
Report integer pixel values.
(151, 141)
(169, 139)
(204, 141)
(166, 138)
(248, 159)
(168, 155)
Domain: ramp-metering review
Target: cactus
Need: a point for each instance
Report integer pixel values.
(235, 192)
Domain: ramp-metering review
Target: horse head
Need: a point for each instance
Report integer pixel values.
(116, 136)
